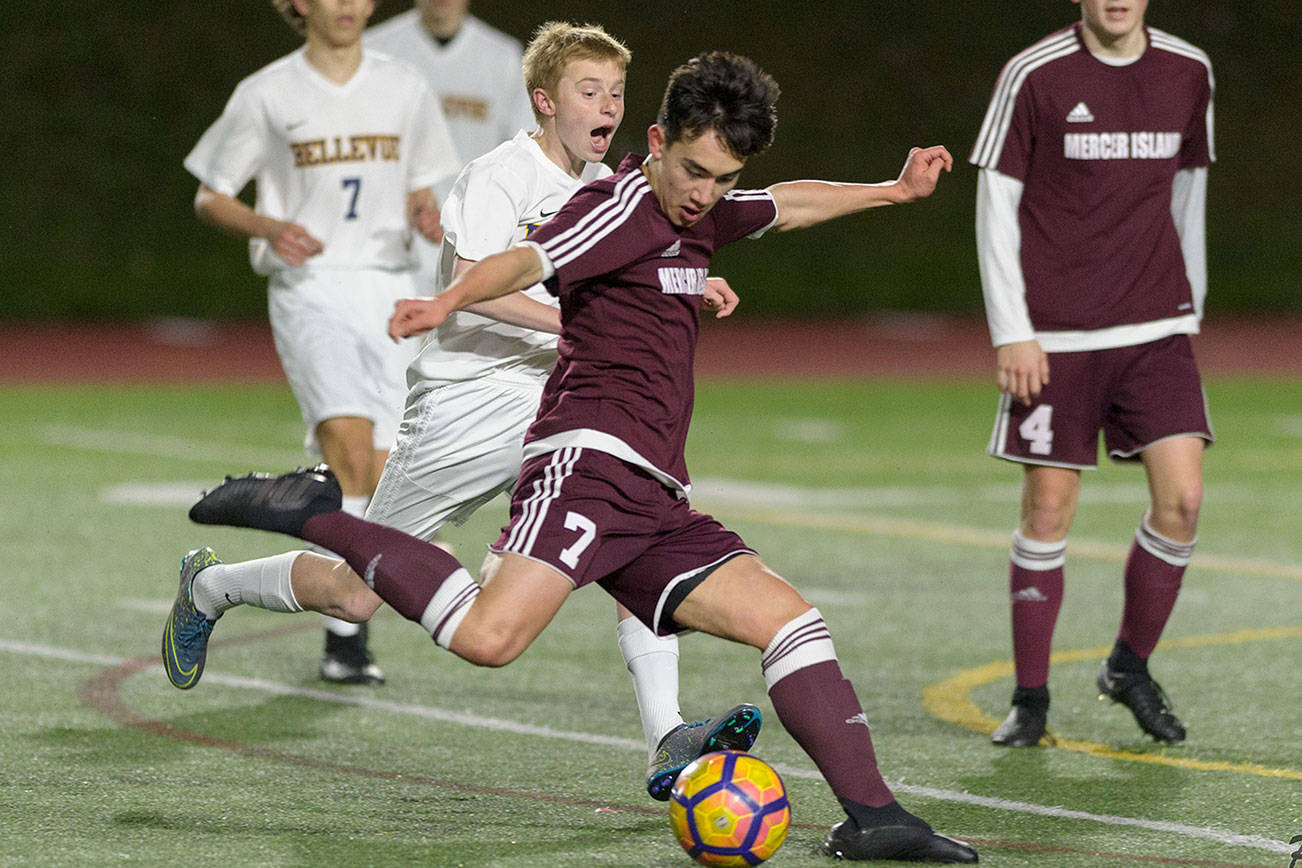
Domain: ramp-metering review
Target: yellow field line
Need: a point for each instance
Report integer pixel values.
(959, 535)
(950, 700)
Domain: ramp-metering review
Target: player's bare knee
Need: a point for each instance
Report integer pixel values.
(1046, 517)
(775, 619)
(487, 647)
(1176, 515)
(359, 605)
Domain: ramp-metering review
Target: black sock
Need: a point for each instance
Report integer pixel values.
(1122, 659)
(891, 814)
(1033, 698)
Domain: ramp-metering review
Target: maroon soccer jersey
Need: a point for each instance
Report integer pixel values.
(1097, 147)
(630, 285)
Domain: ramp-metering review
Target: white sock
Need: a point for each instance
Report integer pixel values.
(263, 583)
(653, 662)
(803, 641)
(449, 606)
(353, 505)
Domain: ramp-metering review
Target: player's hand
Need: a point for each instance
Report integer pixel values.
(1022, 369)
(922, 171)
(415, 316)
(719, 297)
(293, 243)
(427, 223)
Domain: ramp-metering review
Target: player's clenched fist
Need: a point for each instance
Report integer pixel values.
(922, 170)
(415, 316)
(719, 297)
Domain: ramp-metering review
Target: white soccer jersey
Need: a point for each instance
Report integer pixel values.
(496, 202)
(338, 160)
(476, 75)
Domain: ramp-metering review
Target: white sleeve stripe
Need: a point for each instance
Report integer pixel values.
(999, 117)
(557, 244)
(560, 245)
(1175, 45)
(597, 233)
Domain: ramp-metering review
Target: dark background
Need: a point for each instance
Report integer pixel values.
(103, 101)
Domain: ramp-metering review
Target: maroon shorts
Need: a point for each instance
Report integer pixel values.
(595, 518)
(1136, 395)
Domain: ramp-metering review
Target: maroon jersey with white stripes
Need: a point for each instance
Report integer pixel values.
(1096, 147)
(630, 285)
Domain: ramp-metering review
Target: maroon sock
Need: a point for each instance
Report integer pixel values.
(1152, 585)
(402, 569)
(818, 706)
(1036, 597)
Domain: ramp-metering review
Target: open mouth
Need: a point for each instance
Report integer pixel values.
(599, 138)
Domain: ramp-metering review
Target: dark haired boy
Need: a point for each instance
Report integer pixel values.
(603, 492)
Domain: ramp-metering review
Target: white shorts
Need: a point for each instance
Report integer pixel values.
(459, 446)
(331, 332)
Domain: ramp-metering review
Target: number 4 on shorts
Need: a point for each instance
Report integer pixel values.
(1037, 429)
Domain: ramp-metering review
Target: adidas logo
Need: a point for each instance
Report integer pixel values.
(1080, 114)
(673, 249)
(858, 718)
(1030, 595)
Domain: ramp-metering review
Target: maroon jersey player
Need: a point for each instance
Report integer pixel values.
(1090, 210)
(602, 496)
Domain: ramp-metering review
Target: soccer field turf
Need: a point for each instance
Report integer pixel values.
(876, 500)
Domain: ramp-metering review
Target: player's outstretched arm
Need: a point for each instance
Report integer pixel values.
(291, 242)
(492, 277)
(808, 203)
(514, 308)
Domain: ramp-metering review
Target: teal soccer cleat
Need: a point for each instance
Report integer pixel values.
(185, 638)
(735, 729)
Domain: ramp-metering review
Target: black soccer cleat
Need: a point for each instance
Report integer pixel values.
(1146, 700)
(348, 660)
(1024, 726)
(282, 504)
(904, 843)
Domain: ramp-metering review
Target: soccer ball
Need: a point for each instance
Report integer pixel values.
(729, 809)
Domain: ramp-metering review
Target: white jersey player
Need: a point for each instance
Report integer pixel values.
(480, 377)
(475, 71)
(343, 147)
(476, 385)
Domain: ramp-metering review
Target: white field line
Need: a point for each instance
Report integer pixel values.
(237, 458)
(496, 724)
(241, 459)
